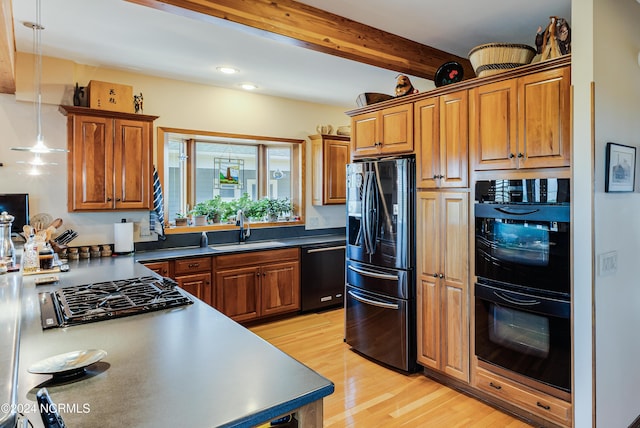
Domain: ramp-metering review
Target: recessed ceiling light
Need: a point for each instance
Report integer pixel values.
(227, 70)
(248, 86)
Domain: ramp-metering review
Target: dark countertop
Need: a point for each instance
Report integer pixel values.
(190, 366)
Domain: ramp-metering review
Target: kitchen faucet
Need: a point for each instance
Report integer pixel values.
(244, 233)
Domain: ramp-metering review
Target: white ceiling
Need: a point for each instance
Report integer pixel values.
(122, 35)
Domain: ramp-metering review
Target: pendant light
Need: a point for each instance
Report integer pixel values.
(39, 147)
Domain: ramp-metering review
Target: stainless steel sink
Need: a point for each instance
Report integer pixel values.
(247, 245)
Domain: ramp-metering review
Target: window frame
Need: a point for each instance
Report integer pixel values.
(297, 172)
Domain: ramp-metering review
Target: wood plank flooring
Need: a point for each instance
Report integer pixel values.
(367, 394)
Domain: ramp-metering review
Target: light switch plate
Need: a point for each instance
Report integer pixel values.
(608, 263)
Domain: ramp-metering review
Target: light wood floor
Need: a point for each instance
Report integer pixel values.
(367, 394)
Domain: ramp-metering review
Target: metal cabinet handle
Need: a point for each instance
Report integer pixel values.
(520, 155)
(372, 302)
(511, 156)
(435, 177)
(435, 275)
(109, 199)
(544, 406)
(374, 274)
(494, 386)
(194, 265)
(319, 250)
(441, 275)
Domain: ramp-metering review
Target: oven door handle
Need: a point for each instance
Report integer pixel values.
(374, 274)
(373, 302)
(516, 211)
(517, 302)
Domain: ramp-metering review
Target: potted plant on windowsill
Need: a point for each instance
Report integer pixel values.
(181, 220)
(273, 208)
(207, 211)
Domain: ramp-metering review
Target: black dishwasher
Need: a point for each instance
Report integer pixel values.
(322, 276)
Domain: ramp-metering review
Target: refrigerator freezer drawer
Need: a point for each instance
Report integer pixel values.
(381, 328)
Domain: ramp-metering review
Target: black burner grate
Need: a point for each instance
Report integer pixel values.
(111, 299)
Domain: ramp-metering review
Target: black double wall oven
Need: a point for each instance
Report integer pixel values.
(522, 293)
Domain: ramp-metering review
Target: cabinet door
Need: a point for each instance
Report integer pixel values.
(237, 292)
(161, 268)
(493, 125)
(544, 119)
(336, 158)
(442, 287)
(198, 284)
(364, 130)
(428, 297)
(132, 160)
(280, 287)
(427, 123)
(329, 158)
(91, 172)
(454, 284)
(454, 140)
(396, 129)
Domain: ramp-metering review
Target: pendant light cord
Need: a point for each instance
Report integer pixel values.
(37, 40)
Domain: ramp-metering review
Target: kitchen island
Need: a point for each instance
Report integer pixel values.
(188, 366)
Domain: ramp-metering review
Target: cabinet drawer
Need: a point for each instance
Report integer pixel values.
(256, 258)
(541, 404)
(196, 264)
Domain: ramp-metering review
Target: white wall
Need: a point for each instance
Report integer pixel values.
(179, 105)
(582, 215)
(617, 228)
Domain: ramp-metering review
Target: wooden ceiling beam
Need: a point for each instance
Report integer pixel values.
(7, 49)
(322, 31)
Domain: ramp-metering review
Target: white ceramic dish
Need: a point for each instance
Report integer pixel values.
(68, 364)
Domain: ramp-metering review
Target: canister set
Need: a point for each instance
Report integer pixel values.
(92, 252)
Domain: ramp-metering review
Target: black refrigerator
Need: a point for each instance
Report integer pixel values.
(380, 305)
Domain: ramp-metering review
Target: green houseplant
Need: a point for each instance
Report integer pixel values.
(210, 210)
(272, 207)
(181, 219)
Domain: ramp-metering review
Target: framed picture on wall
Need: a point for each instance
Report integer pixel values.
(620, 168)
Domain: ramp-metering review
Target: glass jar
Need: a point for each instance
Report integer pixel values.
(45, 257)
(30, 256)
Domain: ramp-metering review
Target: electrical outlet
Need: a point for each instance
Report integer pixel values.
(608, 263)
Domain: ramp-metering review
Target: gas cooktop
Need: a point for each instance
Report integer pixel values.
(99, 301)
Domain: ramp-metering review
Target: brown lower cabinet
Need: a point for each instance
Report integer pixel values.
(259, 284)
(191, 274)
(248, 286)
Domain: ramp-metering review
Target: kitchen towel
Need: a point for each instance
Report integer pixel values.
(123, 238)
(158, 202)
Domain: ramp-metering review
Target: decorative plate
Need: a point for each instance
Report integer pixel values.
(449, 72)
(69, 364)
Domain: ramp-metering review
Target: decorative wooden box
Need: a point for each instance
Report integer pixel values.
(110, 96)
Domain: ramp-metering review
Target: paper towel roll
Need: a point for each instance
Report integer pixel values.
(123, 238)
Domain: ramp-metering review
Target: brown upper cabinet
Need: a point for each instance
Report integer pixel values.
(522, 122)
(109, 161)
(386, 131)
(330, 155)
(442, 149)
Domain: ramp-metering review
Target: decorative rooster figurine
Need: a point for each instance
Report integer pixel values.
(404, 86)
